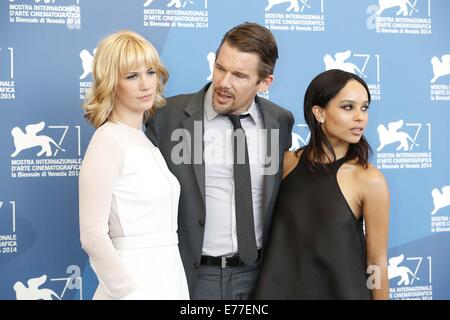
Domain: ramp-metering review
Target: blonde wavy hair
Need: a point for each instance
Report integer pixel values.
(115, 56)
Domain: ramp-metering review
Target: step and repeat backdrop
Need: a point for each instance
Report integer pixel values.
(400, 47)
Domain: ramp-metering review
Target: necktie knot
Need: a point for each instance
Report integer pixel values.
(236, 119)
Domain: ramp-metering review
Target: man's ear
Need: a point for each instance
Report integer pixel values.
(265, 83)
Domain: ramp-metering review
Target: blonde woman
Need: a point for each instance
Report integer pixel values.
(128, 197)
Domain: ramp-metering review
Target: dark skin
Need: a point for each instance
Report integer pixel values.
(365, 189)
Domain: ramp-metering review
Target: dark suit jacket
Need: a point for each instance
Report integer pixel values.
(185, 112)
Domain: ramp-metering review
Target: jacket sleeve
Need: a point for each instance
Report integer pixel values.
(152, 131)
(291, 122)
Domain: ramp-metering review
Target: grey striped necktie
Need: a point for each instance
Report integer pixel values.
(248, 252)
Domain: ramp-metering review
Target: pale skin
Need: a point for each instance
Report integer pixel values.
(135, 94)
(365, 189)
(236, 81)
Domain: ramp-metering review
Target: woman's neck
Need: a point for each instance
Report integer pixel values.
(131, 119)
(340, 149)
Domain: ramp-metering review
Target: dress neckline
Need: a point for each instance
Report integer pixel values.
(337, 162)
(127, 126)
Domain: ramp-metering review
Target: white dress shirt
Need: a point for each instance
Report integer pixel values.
(220, 237)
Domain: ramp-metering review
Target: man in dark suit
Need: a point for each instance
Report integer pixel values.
(222, 231)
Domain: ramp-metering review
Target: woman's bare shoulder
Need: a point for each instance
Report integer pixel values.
(291, 159)
(370, 178)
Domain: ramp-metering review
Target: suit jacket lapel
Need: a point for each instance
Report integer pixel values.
(195, 126)
(269, 123)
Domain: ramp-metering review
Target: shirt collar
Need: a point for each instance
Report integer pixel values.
(211, 113)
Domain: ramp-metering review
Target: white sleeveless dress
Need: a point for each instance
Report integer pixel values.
(128, 217)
